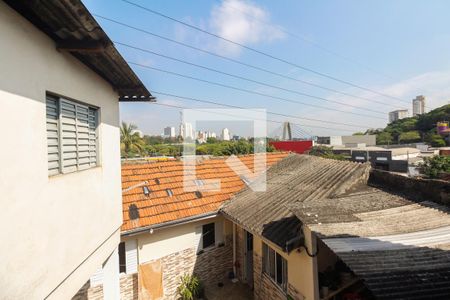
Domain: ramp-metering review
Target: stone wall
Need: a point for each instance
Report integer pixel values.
(414, 188)
(264, 287)
(128, 289)
(212, 266)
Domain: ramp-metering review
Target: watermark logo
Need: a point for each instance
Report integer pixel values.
(254, 177)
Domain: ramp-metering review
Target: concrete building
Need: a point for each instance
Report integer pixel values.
(61, 81)
(418, 105)
(397, 115)
(169, 132)
(186, 131)
(226, 136)
(367, 140)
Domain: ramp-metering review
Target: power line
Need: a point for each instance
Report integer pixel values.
(249, 91)
(246, 78)
(241, 107)
(272, 121)
(318, 46)
(261, 52)
(240, 62)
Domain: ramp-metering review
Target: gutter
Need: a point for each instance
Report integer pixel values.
(150, 228)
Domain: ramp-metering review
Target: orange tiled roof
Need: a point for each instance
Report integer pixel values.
(158, 207)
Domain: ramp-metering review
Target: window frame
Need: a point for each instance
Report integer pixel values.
(93, 160)
(210, 232)
(270, 260)
(122, 258)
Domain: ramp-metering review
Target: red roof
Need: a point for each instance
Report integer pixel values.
(158, 207)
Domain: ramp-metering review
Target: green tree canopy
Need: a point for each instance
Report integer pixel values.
(409, 137)
(130, 141)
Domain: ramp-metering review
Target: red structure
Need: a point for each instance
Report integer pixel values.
(299, 147)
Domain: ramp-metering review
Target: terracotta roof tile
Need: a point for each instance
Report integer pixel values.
(158, 207)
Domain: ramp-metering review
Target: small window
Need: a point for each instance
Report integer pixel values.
(169, 192)
(146, 190)
(157, 181)
(122, 260)
(275, 266)
(198, 194)
(133, 212)
(208, 235)
(199, 182)
(71, 135)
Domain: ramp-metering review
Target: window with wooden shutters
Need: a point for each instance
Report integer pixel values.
(75, 135)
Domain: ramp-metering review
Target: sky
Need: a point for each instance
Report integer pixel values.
(399, 49)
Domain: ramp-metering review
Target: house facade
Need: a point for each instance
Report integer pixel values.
(60, 85)
(322, 230)
(169, 231)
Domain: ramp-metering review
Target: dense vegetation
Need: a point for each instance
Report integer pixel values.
(415, 129)
(132, 145)
(325, 152)
(436, 166)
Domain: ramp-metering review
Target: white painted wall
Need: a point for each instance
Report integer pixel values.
(173, 239)
(61, 227)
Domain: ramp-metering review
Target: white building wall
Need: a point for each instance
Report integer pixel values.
(59, 229)
(163, 242)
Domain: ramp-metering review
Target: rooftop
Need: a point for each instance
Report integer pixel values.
(75, 30)
(153, 192)
(398, 247)
(297, 178)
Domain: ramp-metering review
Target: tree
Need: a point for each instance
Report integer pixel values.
(435, 166)
(130, 141)
(384, 138)
(325, 152)
(409, 137)
(437, 141)
(358, 133)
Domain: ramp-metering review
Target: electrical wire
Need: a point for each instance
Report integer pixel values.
(246, 78)
(248, 91)
(267, 120)
(241, 107)
(240, 62)
(261, 52)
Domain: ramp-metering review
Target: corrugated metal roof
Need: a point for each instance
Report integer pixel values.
(75, 30)
(295, 179)
(398, 247)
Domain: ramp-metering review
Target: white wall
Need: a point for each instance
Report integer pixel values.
(51, 225)
(173, 239)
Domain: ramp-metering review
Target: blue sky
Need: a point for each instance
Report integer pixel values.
(400, 48)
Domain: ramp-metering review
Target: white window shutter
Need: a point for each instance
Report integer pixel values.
(218, 232)
(97, 277)
(68, 136)
(131, 256)
(52, 112)
(93, 117)
(83, 137)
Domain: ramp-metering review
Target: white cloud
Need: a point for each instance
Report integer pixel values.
(241, 21)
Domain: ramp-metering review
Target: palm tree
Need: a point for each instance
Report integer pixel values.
(130, 141)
